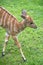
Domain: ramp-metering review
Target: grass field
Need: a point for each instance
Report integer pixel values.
(30, 39)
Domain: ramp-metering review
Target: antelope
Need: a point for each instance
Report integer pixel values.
(13, 27)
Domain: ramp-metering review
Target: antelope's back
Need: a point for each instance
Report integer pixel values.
(8, 21)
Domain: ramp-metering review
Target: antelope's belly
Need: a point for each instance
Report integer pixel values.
(11, 32)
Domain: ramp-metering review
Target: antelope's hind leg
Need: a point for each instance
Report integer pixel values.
(19, 46)
(5, 43)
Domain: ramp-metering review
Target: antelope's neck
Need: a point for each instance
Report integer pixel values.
(22, 25)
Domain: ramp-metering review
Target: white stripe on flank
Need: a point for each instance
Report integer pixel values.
(5, 18)
(15, 27)
(8, 21)
(2, 17)
(11, 24)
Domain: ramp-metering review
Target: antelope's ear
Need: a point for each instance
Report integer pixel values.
(24, 13)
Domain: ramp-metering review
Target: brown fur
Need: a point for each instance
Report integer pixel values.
(13, 27)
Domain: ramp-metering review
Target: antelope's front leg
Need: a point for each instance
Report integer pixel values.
(19, 46)
(4, 46)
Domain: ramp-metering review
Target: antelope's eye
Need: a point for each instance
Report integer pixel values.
(31, 23)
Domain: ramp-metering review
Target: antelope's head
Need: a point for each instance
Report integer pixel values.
(28, 20)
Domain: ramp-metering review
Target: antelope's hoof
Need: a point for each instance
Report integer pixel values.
(3, 54)
(24, 59)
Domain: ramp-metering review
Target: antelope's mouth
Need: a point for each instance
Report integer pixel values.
(33, 26)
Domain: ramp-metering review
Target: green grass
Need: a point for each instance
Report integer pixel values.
(30, 39)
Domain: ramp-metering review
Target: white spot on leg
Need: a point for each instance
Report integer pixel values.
(6, 39)
(7, 34)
